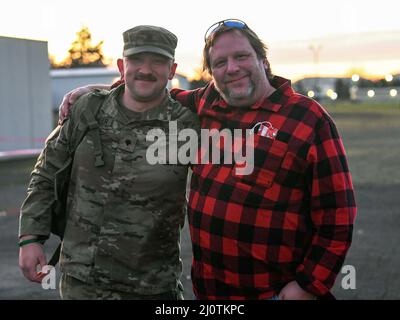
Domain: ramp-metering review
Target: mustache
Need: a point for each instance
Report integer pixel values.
(145, 77)
(228, 79)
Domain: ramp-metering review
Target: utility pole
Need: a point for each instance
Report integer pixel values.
(316, 49)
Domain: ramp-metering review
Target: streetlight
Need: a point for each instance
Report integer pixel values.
(371, 93)
(388, 78)
(329, 92)
(354, 88)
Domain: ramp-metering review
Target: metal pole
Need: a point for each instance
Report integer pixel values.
(315, 51)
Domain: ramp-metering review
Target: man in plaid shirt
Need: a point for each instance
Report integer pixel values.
(283, 230)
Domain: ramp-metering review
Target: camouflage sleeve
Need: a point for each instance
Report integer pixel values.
(189, 118)
(35, 214)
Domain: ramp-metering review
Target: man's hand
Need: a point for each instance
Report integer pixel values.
(30, 256)
(68, 101)
(292, 291)
(70, 98)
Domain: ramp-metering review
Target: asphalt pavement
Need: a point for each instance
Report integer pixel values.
(374, 255)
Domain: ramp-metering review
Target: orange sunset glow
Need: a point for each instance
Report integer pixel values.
(344, 35)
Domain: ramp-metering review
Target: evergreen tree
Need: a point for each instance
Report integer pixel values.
(83, 54)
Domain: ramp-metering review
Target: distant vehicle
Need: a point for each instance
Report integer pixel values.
(64, 80)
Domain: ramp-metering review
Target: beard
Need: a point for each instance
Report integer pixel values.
(234, 96)
(144, 93)
(146, 96)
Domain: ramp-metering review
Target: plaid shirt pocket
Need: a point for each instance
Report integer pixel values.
(268, 157)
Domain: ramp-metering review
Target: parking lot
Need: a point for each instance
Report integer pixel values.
(372, 142)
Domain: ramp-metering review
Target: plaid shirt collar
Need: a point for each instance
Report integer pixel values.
(272, 103)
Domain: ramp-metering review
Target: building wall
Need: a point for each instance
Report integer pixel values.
(25, 95)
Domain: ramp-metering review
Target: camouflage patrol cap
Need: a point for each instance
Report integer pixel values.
(149, 39)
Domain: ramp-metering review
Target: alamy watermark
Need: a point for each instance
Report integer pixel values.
(186, 147)
(49, 280)
(349, 280)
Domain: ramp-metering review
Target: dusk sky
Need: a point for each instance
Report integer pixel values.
(348, 35)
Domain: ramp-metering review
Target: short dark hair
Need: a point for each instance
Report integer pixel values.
(257, 44)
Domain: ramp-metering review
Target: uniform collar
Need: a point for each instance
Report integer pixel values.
(160, 112)
(274, 102)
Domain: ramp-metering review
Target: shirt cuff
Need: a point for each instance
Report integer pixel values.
(311, 285)
(31, 227)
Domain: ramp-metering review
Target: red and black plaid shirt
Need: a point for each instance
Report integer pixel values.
(291, 219)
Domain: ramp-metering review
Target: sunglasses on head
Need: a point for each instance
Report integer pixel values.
(232, 23)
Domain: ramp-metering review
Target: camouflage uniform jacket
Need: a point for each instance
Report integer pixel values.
(124, 218)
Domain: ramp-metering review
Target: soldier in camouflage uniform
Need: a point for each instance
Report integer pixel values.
(124, 214)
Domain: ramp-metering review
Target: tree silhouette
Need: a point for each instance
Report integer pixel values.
(53, 63)
(200, 79)
(83, 54)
